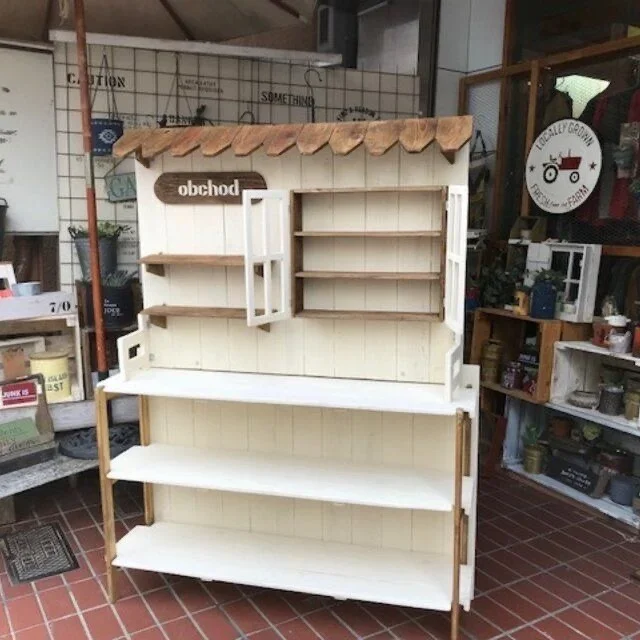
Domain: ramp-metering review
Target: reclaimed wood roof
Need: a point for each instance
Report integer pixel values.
(414, 135)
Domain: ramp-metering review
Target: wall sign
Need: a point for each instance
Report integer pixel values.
(121, 187)
(206, 188)
(563, 166)
(356, 114)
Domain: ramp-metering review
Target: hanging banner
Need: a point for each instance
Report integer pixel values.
(563, 166)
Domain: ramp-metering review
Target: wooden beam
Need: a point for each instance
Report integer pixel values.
(532, 112)
(44, 36)
(620, 251)
(186, 32)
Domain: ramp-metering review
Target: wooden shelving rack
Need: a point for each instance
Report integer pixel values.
(336, 454)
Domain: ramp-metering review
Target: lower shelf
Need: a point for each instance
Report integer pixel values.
(331, 569)
(329, 314)
(619, 423)
(604, 505)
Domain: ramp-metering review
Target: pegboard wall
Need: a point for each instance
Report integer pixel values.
(150, 86)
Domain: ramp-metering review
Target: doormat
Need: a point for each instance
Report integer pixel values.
(37, 553)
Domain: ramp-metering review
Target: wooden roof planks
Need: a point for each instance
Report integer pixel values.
(414, 136)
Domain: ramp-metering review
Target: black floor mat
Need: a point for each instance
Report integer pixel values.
(37, 553)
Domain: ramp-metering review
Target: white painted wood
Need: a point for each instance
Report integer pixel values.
(604, 505)
(456, 257)
(589, 347)
(619, 423)
(337, 570)
(273, 474)
(133, 351)
(272, 250)
(301, 391)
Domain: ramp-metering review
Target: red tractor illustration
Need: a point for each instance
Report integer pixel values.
(570, 163)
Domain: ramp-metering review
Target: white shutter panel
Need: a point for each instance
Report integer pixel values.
(267, 246)
(456, 257)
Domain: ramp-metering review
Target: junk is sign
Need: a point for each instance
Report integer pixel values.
(563, 166)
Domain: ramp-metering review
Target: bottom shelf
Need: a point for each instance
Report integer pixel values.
(604, 505)
(331, 569)
(328, 314)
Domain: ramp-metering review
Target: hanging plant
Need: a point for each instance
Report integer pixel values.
(105, 131)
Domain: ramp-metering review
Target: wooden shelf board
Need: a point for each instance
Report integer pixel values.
(190, 259)
(604, 505)
(348, 314)
(300, 391)
(509, 314)
(343, 571)
(398, 189)
(369, 275)
(269, 474)
(368, 234)
(513, 393)
(168, 311)
(580, 345)
(619, 423)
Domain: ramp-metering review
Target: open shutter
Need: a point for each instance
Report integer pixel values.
(456, 257)
(267, 253)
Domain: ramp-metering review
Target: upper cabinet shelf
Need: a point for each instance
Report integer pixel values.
(368, 234)
(155, 263)
(369, 275)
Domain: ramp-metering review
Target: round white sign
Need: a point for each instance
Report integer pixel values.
(563, 166)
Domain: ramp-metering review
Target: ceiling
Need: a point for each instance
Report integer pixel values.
(205, 20)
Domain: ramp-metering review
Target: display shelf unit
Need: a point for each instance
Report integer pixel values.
(278, 459)
(605, 505)
(413, 245)
(511, 393)
(576, 368)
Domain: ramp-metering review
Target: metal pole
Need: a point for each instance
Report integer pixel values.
(92, 216)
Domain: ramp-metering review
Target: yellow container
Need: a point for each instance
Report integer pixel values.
(54, 367)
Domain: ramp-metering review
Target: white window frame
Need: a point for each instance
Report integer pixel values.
(265, 260)
(456, 257)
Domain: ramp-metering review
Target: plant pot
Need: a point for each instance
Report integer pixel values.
(533, 458)
(104, 132)
(108, 251)
(521, 307)
(560, 427)
(118, 307)
(543, 301)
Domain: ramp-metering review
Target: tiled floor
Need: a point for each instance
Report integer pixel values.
(546, 570)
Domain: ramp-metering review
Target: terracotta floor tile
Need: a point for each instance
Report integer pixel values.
(598, 573)
(357, 618)
(532, 554)
(411, 631)
(182, 629)
(621, 604)
(484, 582)
(88, 594)
(11, 591)
(149, 634)
(587, 625)
(495, 613)
(164, 605)
(40, 632)
(387, 615)
(631, 590)
(56, 603)
(245, 616)
(273, 607)
(383, 635)
(24, 612)
(526, 610)
(95, 559)
(328, 626)
(501, 537)
(79, 518)
(515, 562)
(478, 627)
(615, 619)
(265, 634)
(571, 585)
(222, 592)
(610, 561)
(514, 528)
(102, 624)
(48, 583)
(81, 573)
(529, 633)
(540, 593)
(537, 526)
(4, 622)
(146, 580)
(215, 625)
(192, 594)
(134, 614)
(297, 629)
(68, 629)
(554, 628)
(496, 570)
(89, 538)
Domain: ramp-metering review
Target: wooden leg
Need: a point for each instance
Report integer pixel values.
(457, 523)
(497, 440)
(145, 439)
(106, 490)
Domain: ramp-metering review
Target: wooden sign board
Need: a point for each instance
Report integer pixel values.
(206, 188)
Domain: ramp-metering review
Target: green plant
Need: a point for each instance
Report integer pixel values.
(498, 284)
(106, 229)
(531, 434)
(117, 279)
(555, 278)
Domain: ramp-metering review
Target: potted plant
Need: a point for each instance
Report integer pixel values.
(497, 284)
(533, 452)
(544, 293)
(108, 234)
(118, 303)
